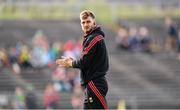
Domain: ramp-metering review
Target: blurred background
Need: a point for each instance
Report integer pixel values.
(143, 41)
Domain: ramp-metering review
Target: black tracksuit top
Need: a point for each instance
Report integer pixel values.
(94, 62)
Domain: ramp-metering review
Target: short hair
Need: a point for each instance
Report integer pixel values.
(86, 13)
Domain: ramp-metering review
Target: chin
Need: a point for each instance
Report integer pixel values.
(86, 31)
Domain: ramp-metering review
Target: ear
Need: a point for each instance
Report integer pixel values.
(94, 22)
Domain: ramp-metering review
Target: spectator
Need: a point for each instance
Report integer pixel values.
(3, 58)
(13, 55)
(39, 57)
(19, 99)
(60, 80)
(78, 48)
(40, 40)
(77, 97)
(71, 76)
(134, 40)
(24, 57)
(30, 98)
(54, 51)
(69, 47)
(51, 97)
(16, 68)
(122, 39)
(145, 39)
(4, 102)
(172, 34)
(178, 45)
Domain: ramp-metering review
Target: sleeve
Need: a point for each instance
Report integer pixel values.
(88, 54)
(77, 63)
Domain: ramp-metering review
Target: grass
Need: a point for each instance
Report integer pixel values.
(104, 12)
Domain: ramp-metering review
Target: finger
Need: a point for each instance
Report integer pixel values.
(59, 61)
(66, 60)
(63, 57)
(61, 66)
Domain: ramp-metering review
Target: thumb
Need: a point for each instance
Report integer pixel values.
(63, 57)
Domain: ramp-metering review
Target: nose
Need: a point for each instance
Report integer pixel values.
(85, 24)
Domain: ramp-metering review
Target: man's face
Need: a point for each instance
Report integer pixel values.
(87, 24)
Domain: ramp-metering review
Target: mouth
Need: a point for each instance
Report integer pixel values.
(86, 29)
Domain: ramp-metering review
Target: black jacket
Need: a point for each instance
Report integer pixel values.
(94, 62)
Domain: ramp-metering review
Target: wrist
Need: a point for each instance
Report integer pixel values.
(71, 63)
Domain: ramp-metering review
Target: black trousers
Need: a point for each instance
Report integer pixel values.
(95, 92)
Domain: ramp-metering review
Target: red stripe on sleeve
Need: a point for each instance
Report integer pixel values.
(92, 43)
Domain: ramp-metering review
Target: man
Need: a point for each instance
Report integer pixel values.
(172, 34)
(93, 63)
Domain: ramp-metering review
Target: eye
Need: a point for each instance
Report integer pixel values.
(88, 21)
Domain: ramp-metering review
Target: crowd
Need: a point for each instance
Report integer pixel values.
(39, 54)
(139, 38)
(134, 39)
(42, 54)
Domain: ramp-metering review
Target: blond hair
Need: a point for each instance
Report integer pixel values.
(86, 13)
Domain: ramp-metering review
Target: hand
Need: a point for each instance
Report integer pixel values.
(65, 62)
